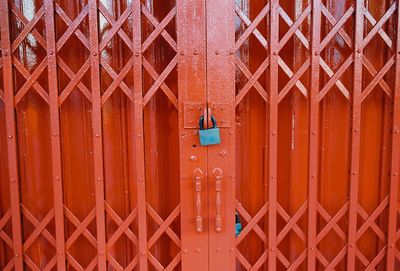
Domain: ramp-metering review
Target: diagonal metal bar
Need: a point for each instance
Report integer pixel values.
(66, 69)
(247, 22)
(73, 27)
(243, 261)
(40, 228)
(295, 26)
(72, 84)
(378, 258)
(332, 223)
(338, 25)
(25, 22)
(378, 231)
(380, 24)
(117, 81)
(286, 18)
(156, 24)
(293, 221)
(24, 72)
(378, 78)
(248, 75)
(371, 69)
(163, 85)
(81, 228)
(382, 33)
(287, 218)
(30, 81)
(371, 220)
(294, 79)
(252, 81)
(252, 27)
(164, 226)
(116, 27)
(335, 77)
(252, 223)
(332, 20)
(159, 81)
(112, 22)
(290, 73)
(159, 29)
(123, 226)
(27, 29)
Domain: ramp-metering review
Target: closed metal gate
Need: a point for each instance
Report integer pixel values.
(100, 162)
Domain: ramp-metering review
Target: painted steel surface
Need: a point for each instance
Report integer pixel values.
(101, 167)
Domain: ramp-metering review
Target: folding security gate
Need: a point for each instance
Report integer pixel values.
(100, 162)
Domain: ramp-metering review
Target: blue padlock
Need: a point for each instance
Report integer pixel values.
(209, 136)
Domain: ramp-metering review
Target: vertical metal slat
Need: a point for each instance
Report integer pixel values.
(97, 134)
(11, 135)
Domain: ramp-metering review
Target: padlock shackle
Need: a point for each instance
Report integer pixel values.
(201, 122)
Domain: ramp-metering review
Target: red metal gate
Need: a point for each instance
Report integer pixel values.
(100, 162)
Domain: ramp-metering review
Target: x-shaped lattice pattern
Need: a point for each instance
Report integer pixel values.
(116, 29)
(30, 76)
(369, 220)
(164, 227)
(159, 79)
(6, 238)
(294, 81)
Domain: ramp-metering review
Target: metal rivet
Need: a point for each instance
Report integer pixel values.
(231, 52)
(273, 177)
(16, 255)
(231, 249)
(356, 130)
(231, 132)
(60, 253)
(314, 132)
(193, 158)
(397, 131)
(395, 174)
(54, 134)
(222, 153)
(50, 52)
(182, 53)
(57, 178)
(10, 136)
(358, 50)
(316, 53)
(97, 135)
(232, 176)
(139, 135)
(275, 53)
(218, 249)
(354, 173)
(198, 250)
(217, 52)
(313, 176)
(94, 53)
(185, 251)
(143, 253)
(137, 54)
(99, 179)
(195, 52)
(273, 133)
(183, 134)
(12, 180)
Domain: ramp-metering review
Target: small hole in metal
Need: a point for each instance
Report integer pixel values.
(194, 145)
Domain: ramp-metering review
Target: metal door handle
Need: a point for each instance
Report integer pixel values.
(218, 201)
(198, 177)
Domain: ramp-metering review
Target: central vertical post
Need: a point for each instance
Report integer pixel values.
(192, 96)
(221, 157)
